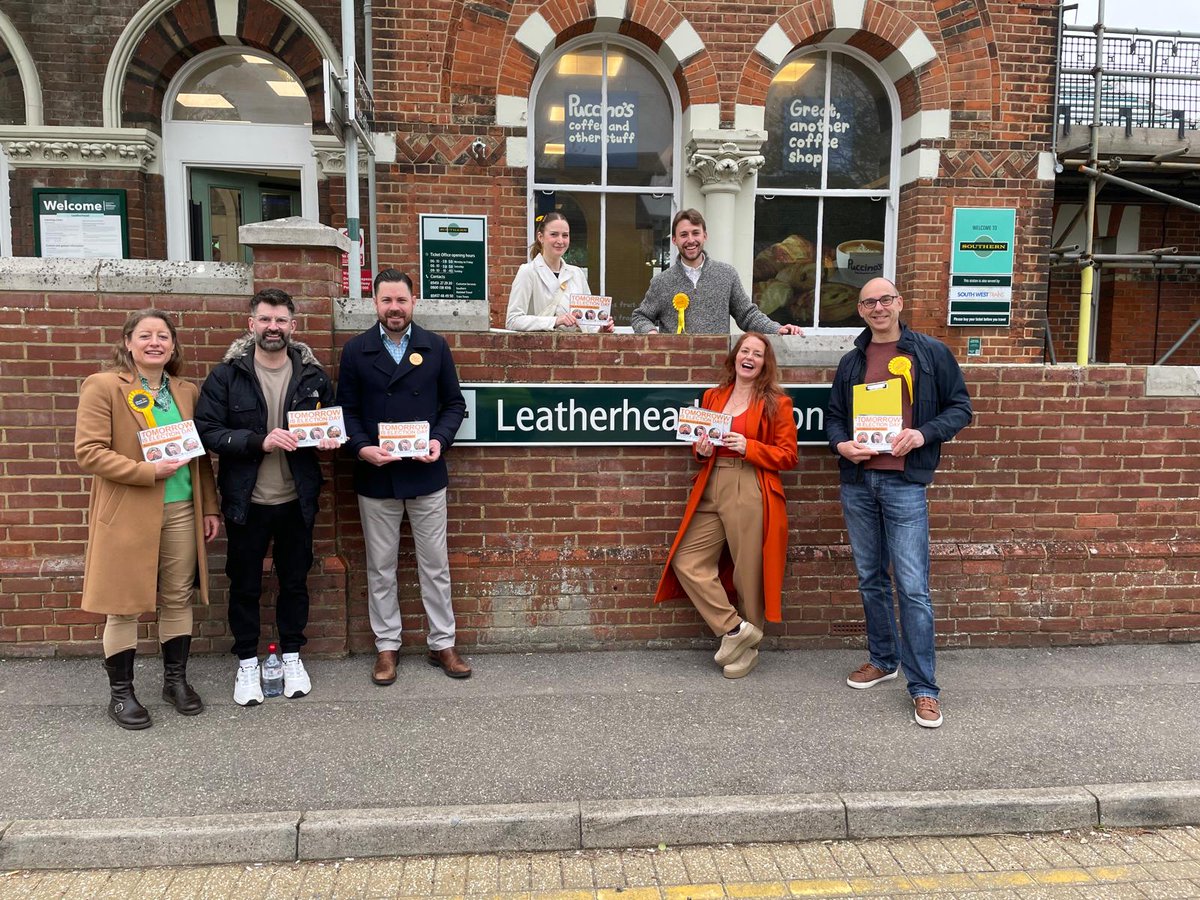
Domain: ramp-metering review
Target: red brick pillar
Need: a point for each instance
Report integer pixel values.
(304, 259)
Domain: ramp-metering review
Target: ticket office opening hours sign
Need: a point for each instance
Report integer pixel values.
(80, 223)
(453, 257)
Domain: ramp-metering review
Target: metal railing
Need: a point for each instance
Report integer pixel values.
(1146, 82)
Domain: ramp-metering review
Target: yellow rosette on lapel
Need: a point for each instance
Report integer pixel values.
(141, 401)
(680, 302)
(902, 366)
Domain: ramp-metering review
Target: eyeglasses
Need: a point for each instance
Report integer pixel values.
(885, 301)
(281, 321)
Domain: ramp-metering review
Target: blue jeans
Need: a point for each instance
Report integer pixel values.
(887, 519)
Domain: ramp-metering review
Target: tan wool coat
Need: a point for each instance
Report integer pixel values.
(120, 570)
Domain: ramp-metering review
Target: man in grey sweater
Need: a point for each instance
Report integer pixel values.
(713, 291)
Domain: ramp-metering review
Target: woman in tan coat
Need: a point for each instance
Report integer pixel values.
(147, 521)
(732, 543)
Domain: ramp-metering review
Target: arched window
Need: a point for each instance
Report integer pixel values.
(237, 149)
(825, 208)
(604, 133)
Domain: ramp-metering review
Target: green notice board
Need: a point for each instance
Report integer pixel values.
(981, 266)
(453, 257)
(78, 222)
(571, 415)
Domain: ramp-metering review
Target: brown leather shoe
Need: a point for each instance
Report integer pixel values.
(450, 662)
(385, 667)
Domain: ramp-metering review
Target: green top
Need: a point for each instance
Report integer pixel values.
(179, 485)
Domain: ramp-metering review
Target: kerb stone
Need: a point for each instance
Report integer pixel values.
(427, 830)
(711, 820)
(968, 812)
(113, 843)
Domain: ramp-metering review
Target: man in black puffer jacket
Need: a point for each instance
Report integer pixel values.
(883, 494)
(269, 486)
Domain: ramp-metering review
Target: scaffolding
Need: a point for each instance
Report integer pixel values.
(1138, 78)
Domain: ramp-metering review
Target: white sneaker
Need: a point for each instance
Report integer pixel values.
(295, 678)
(247, 690)
(734, 645)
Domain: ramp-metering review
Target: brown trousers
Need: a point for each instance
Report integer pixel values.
(176, 584)
(730, 512)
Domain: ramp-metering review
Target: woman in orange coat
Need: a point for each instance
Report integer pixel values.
(733, 538)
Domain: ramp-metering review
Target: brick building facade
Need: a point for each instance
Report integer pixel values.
(937, 106)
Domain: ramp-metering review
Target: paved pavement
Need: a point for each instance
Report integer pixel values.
(1071, 865)
(567, 750)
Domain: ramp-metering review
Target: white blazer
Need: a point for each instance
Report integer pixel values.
(538, 296)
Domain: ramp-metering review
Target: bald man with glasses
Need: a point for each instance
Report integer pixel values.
(883, 493)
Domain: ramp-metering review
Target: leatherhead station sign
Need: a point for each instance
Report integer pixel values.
(568, 415)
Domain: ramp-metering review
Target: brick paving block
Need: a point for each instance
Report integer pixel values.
(319, 880)
(512, 873)
(791, 861)
(821, 861)
(418, 877)
(576, 872)
(482, 874)
(852, 863)
(998, 858)
(760, 863)
(669, 864)
(965, 854)
(449, 875)
(1145, 804)
(607, 871)
(638, 867)
(545, 872)
(879, 857)
(385, 877)
(701, 867)
(731, 865)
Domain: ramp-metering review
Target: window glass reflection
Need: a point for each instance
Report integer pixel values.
(242, 87)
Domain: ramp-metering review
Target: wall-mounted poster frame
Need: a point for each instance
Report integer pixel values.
(80, 223)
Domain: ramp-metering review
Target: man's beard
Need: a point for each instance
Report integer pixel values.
(271, 343)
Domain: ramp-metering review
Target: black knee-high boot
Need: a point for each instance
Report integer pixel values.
(176, 689)
(124, 708)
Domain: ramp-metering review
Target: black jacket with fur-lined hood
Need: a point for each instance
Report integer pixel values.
(231, 417)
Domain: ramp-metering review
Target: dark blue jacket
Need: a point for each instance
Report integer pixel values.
(231, 416)
(372, 388)
(940, 409)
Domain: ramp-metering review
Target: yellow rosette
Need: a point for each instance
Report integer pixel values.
(141, 401)
(902, 366)
(416, 359)
(680, 302)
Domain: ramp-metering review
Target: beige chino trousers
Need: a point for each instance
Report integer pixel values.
(730, 513)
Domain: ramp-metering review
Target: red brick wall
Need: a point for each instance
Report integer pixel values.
(1065, 514)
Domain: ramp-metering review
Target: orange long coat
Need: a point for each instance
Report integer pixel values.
(771, 449)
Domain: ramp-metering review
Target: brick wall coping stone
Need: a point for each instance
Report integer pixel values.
(293, 231)
(1173, 381)
(124, 276)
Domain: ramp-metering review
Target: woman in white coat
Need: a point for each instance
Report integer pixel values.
(541, 292)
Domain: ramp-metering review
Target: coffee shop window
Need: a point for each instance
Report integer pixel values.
(604, 126)
(825, 208)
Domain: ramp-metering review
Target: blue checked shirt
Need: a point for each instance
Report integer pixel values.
(395, 350)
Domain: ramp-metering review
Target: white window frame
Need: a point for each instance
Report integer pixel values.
(891, 196)
(5, 207)
(533, 188)
(227, 145)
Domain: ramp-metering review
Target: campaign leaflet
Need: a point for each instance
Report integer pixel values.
(591, 311)
(695, 421)
(404, 439)
(178, 441)
(878, 413)
(311, 425)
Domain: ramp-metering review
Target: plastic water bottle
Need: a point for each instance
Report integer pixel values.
(272, 673)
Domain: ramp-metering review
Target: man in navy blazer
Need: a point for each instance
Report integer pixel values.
(396, 371)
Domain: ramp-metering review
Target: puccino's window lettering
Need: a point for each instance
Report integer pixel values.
(604, 134)
(825, 206)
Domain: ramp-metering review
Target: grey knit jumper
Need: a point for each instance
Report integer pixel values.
(717, 296)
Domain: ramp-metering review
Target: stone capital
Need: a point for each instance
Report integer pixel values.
(723, 159)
